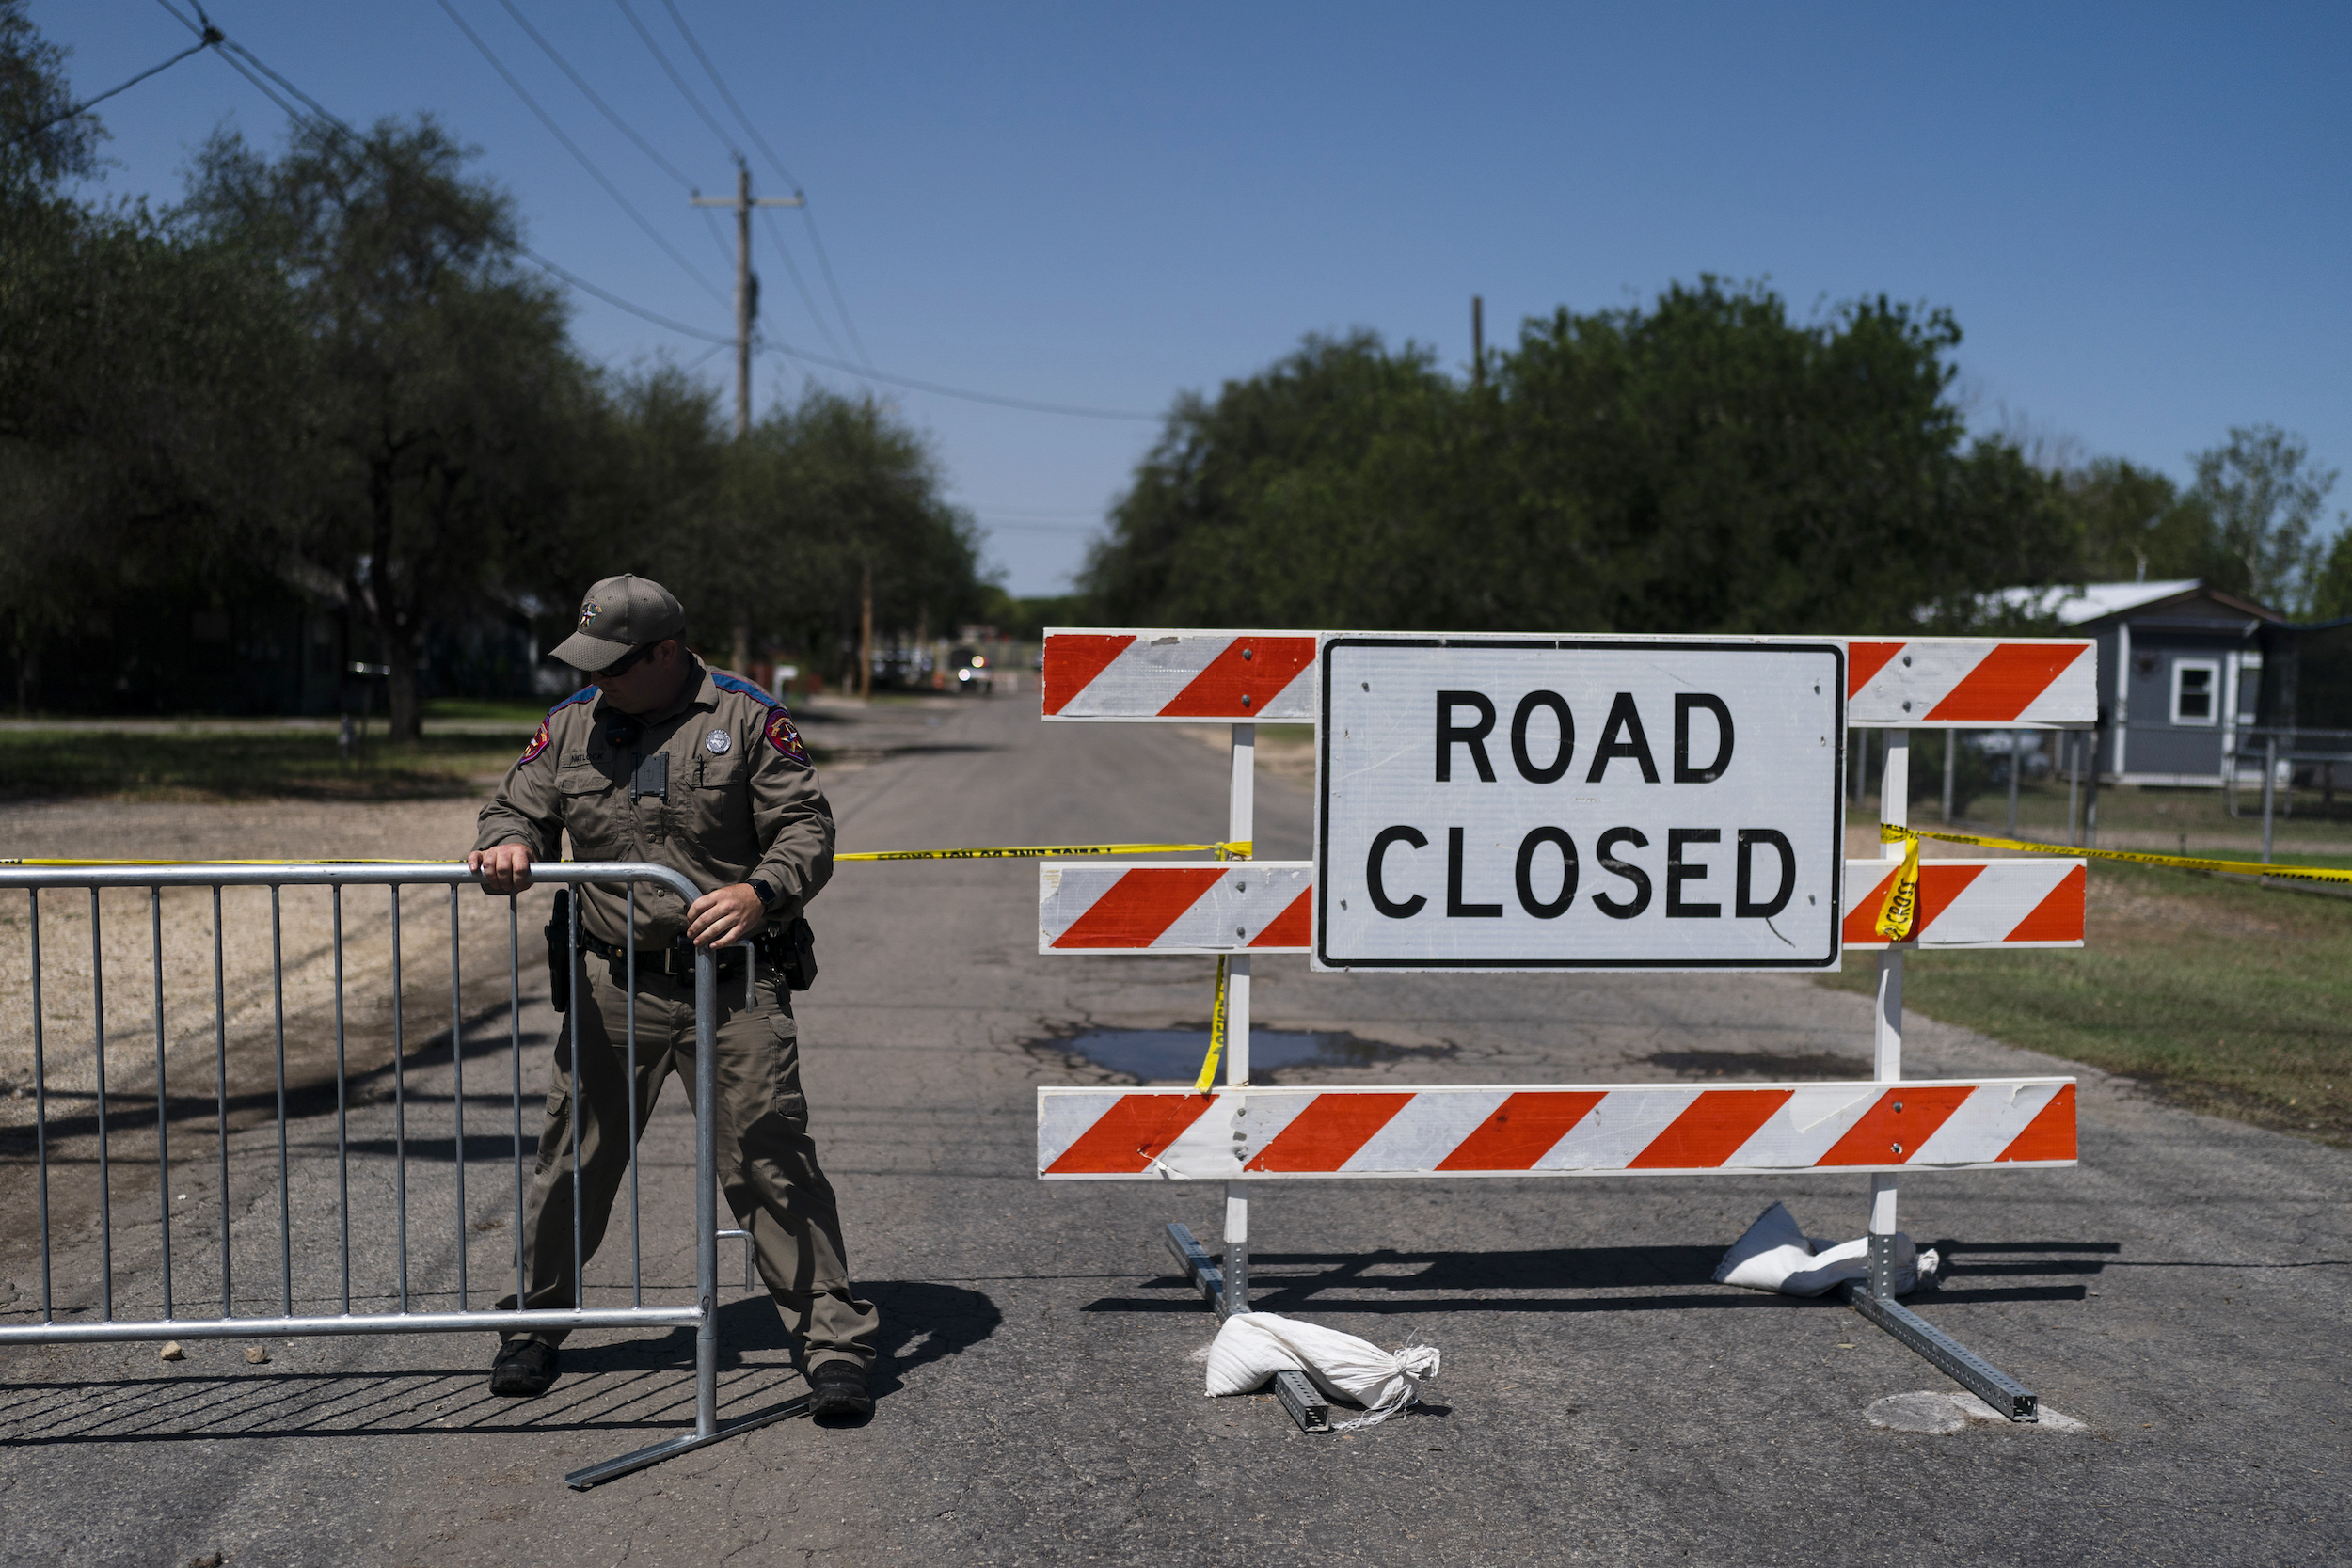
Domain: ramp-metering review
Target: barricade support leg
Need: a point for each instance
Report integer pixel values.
(1972, 1371)
(1874, 1296)
(611, 1470)
(1198, 1266)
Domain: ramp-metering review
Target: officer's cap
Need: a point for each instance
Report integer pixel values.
(618, 614)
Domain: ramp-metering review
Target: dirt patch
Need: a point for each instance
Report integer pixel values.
(157, 955)
(2113, 910)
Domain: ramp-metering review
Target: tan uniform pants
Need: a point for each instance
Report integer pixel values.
(766, 1162)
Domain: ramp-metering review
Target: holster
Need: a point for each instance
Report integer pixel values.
(559, 934)
(791, 950)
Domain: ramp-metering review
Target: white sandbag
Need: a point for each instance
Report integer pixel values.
(1253, 1346)
(1777, 1255)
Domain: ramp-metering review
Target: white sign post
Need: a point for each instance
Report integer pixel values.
(1591, 802)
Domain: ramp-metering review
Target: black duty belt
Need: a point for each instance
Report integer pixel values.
(676, 962)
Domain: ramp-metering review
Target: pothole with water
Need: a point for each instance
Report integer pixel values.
(1174, 1055)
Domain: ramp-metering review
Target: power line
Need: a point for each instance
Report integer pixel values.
(824, 262)
(716, 80)
(792, 269)
(332, 120)
(573, 148)
(210, 37)
(614, 300)
(675, 80)
(710, 222)
(966, 394)
(590, 93)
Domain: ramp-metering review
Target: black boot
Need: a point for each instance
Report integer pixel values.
(836, 1391)
(524, 1368)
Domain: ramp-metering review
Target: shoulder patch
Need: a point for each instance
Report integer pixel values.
(539, 741)
(742, 688)
(783, 738)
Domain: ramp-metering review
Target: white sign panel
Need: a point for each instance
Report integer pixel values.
(1513, 803)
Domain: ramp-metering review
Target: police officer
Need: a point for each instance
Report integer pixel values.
(666, 761)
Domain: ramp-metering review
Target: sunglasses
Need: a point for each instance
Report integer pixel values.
(629, 660)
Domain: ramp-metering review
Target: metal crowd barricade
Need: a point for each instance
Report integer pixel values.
(699, 1314)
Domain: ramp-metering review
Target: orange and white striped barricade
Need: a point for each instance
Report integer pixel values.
(1237, 909)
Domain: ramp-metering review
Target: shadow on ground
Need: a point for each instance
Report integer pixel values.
(635, 1385)
(1379, 1282)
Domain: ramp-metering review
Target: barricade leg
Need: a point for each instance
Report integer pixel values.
(1237, 1193)
(1874, 1296)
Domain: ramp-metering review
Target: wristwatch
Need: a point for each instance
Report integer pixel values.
(767, 895)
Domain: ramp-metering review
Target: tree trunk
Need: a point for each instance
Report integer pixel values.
(742, 646)
(406, 723)
(865, 633)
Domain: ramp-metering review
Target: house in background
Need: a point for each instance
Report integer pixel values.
(2180, 669)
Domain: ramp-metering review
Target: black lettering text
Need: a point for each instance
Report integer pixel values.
(1684, 773)
(1525, 875)
(1455, 907)
(1381, 899)
(1745, 906)
(1451, 735)
(1626, 722)
(1677, 873)
(1559, 764)
(1603, 849)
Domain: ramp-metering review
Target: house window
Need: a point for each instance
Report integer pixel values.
(2196, 686)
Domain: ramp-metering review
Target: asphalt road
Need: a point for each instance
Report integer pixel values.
(1600, 1400)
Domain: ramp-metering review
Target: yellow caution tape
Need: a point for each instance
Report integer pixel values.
(97, 863)
(1216, 1037)
(1233, 849)
(1236, 849)
(1902, 899)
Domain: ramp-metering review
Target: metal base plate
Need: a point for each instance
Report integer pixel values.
(596, 1475)
(1965, 1366)
(1299, 1398)
(1198, 1267)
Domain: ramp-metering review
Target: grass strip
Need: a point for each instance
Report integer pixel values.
(300, 765)
(2222, 995)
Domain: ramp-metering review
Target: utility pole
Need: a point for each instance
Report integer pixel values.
(746, 283)
(1478, 340)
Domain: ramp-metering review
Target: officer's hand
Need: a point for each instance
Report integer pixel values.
(505, 867)
(724, 917)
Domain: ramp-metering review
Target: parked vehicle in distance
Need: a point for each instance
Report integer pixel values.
(2005, 749)
(972, 671)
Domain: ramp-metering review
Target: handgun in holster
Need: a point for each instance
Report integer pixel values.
(560, 952)
(791, 950)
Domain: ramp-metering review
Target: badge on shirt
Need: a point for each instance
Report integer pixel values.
(717, 742)
(784, 738)
(538, 744)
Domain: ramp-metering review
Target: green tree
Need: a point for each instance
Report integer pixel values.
(1338, 487)
(2265, 496)
(38, 150)
(778, 537)
(2137, 525)
(1699, 464)
(143, 378)
(445, 408)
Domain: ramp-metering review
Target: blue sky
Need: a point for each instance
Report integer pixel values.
(2137, 212)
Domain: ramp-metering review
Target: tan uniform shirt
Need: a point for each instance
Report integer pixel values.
(742, 803)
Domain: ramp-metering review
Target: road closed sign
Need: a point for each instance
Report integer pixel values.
(1515, 803)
